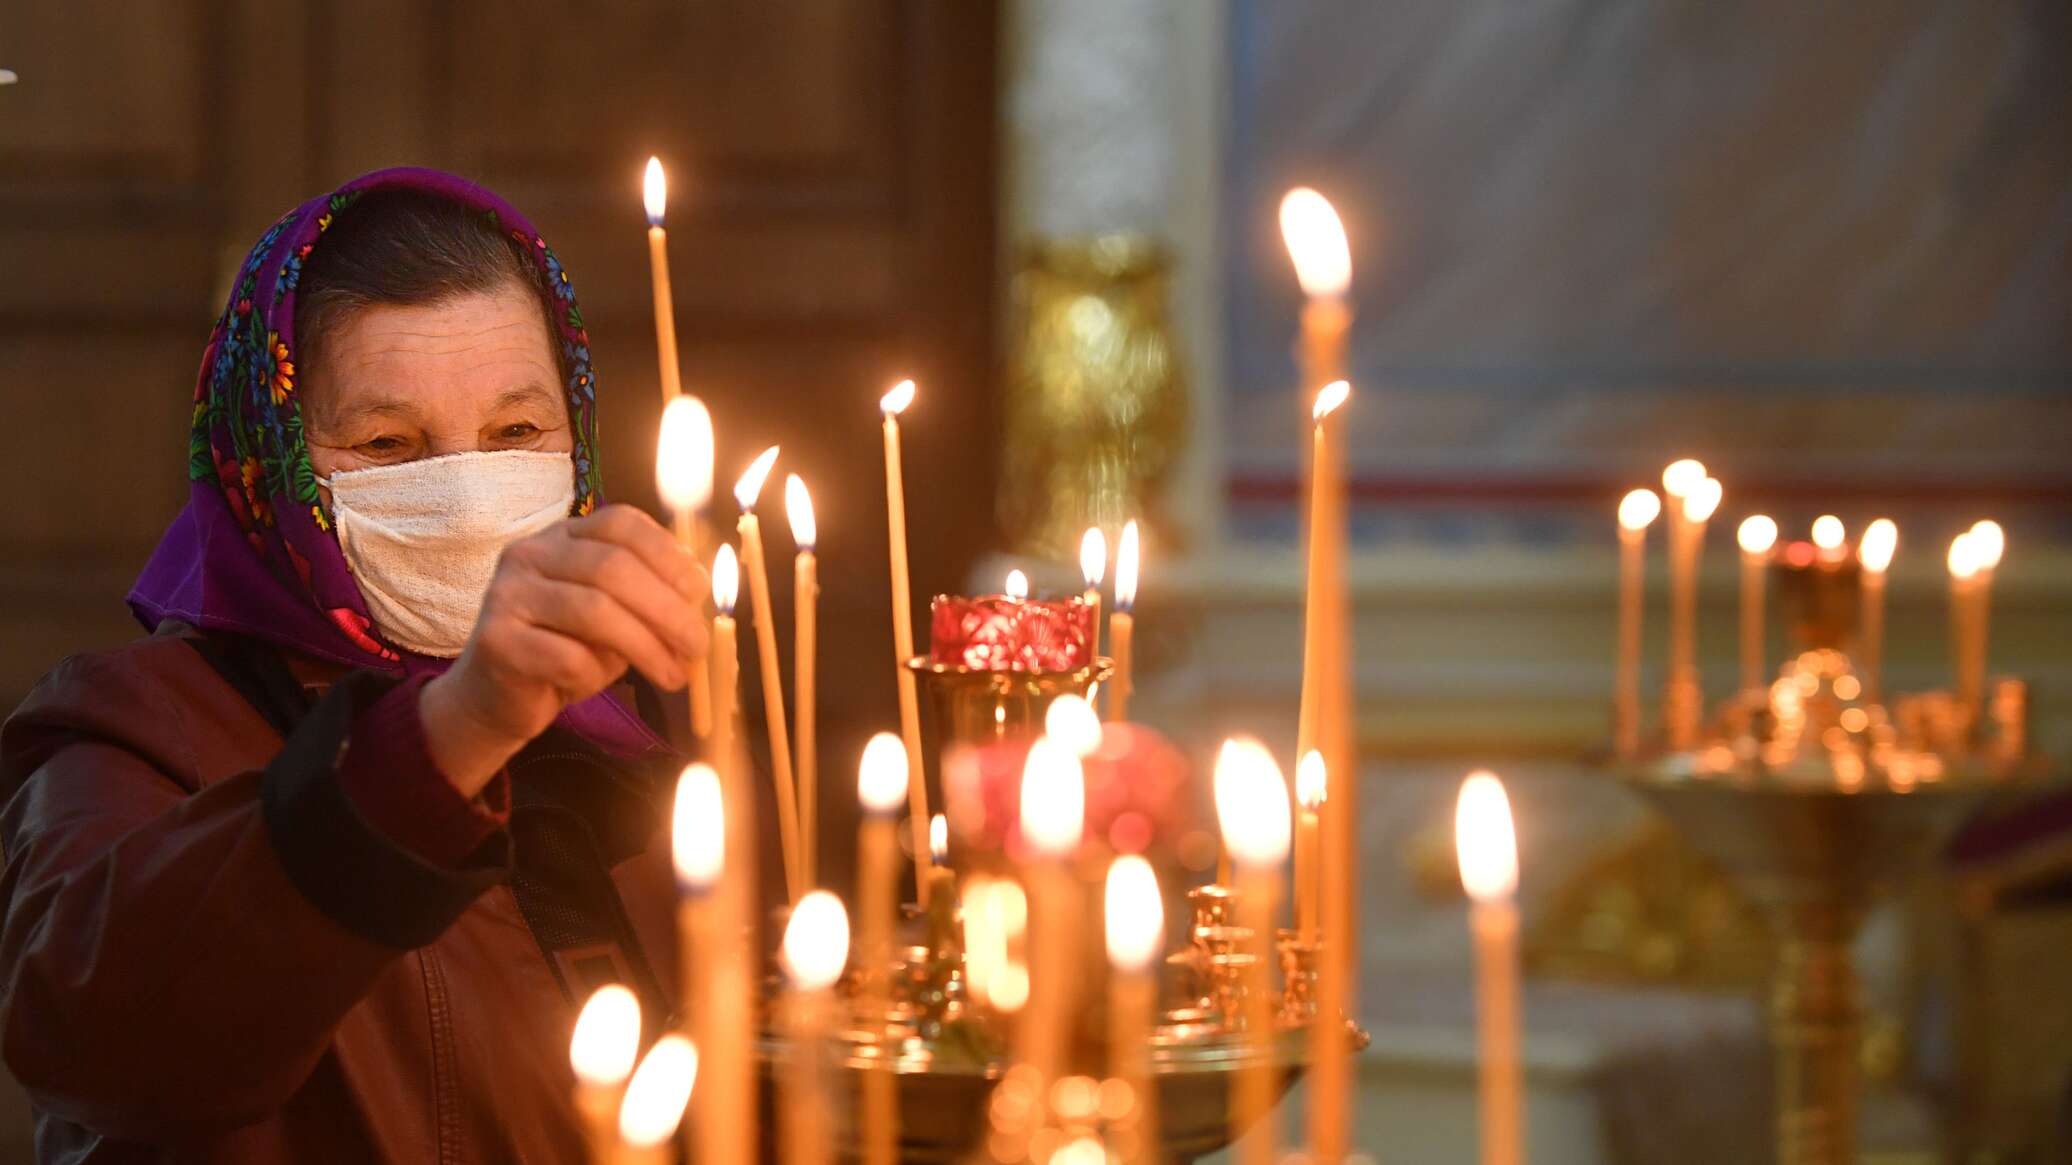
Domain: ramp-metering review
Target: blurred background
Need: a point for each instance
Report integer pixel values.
(1825, 247)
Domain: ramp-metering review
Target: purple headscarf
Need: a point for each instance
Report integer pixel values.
(253, 552)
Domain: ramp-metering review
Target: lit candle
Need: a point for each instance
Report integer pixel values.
(1309, 798)
(683, 478)
(1016, 586)
(698, 847)
(798, 506)
(1488, 852)
(726, 1127)
(1874, 553)
(1323, 266)
(941, 891)
(1135, 923)
(816, 945)
(1685, 697)
(1637, 512)
(1325, 724)
(655, 1100)
(1757, 534)
(1071, 721)
(1252, 808)
(655, 194)
(1830, 537)
(746, 490)
(1053, 814)
(890, 406)
(881, 787)
(1122, 624)
(1093, 564)
(606, 1040)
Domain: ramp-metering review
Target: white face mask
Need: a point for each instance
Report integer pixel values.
(422, 538)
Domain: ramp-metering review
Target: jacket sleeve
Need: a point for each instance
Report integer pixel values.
(173, 962)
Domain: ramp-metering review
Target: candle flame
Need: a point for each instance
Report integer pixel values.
(1828, 532)
(1135, 914)
(607, 1037)
(816, 941)
(658, 1092)
(1329, 398)
(1991, 542)
(1310, 780)
(654, 192)
(698, 827)
(1484, 840)
(1638, 509)
(1017, 585)
(798, 506)
(1010, 986)
(1875, 549)
(1093, 556)
(1126, 568)
(896, 401)
(1053, 798)
(726, 579)
(939, 839)
(1965, 559)
(683, 455)
(750, 487)
(1683, 476)
(1703, 499)
(1070, 720)
(881, 777)
(1316, 242)
(1757, 534)
(1251, 802)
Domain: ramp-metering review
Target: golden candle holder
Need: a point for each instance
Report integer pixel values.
(976, 705)
(1813, 802)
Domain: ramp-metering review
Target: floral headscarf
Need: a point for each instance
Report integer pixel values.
(253, 552)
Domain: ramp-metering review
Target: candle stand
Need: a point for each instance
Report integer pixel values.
(1812, 803)
(962, 1097)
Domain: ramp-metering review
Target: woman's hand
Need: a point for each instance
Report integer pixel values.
(568, 610)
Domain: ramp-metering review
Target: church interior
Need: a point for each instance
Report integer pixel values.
(1792, 876)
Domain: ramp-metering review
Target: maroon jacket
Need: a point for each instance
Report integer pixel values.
(211, 953)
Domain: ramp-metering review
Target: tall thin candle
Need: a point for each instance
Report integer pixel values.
(1122, 625)
(602, 1050)
(753, 562)
(1053, 814)
(798, 506)
(1756, 535)
(727, 1133)
(816, 946)
(1874, 554)
(1488, 852)
(1093, 564)
(1310, 791)
(1684, 695)
(683, 478)
(1134, 919)
(890, 406)
(1252, 808)
(1637, 512)
(655, 195)
(881, 781)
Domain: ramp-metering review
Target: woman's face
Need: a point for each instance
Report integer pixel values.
(471, 373)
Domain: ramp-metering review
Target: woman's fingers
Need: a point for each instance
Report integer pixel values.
(594, 617)
(627, 577)
(623, 526)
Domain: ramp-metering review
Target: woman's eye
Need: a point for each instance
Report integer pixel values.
(518, 432)
(382, 445)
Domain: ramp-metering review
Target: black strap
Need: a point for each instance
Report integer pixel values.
(259, 674)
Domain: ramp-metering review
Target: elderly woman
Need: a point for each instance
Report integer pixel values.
(320, 869)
